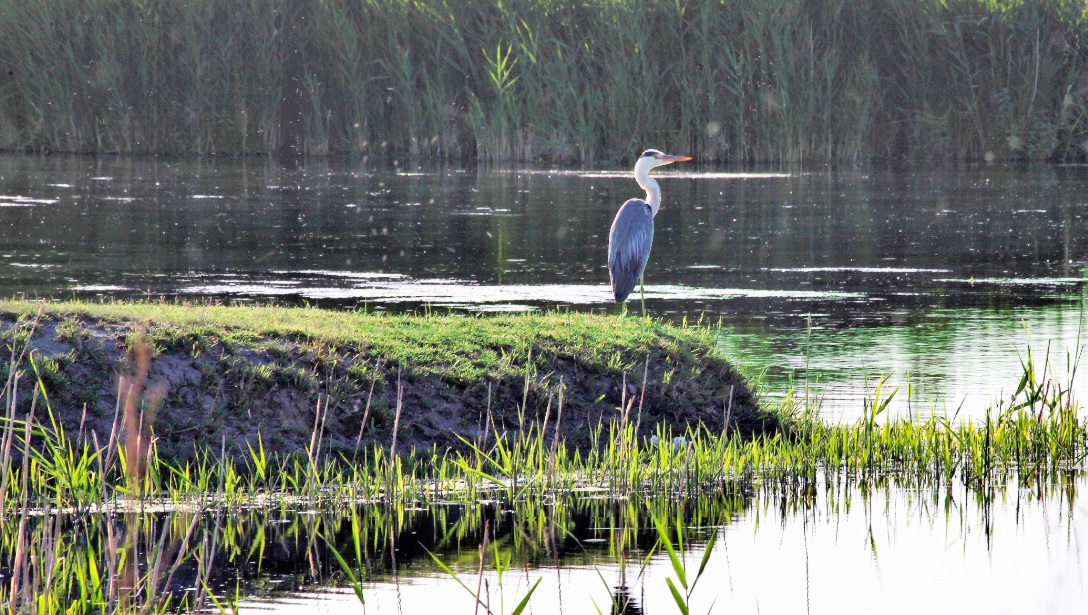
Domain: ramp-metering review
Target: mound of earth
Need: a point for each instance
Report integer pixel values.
(195, 386)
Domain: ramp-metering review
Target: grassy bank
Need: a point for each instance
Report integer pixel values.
(318, 402)
(238, 373)
(788, 80)
(1035, 437)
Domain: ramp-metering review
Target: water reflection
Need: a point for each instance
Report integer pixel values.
(953, 363)
(862, 253)
(829, 546)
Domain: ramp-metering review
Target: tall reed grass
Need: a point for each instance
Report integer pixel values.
(752, 80)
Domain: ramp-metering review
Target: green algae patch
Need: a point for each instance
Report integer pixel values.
(226, 372)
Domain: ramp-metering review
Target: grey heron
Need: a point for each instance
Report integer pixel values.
(632, 231)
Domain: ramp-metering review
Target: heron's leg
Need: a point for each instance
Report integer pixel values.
(642, 292)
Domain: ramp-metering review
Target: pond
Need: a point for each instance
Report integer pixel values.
(824, 279)
(841, 550)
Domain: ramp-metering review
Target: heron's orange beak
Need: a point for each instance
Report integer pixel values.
(668, 158)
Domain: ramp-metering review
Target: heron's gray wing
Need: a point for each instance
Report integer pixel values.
(629, 244)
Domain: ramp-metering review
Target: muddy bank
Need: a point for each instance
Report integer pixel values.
(208, 381)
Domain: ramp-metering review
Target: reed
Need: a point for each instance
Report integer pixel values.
(784, 80)
(129, 562)
(1036, 435)
(679, 562)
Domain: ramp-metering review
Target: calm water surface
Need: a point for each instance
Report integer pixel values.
(942, 278)
(889, 550)
(827, 548)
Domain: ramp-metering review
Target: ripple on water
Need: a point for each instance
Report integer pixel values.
(1015, 281)
(24, 201)
(394, 288)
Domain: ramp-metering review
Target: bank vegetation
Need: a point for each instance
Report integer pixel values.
(555, 80)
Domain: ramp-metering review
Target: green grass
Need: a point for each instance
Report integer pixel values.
(239, 372)
(458, 347)
(752, 80)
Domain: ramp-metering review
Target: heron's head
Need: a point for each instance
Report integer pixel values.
(653, 158)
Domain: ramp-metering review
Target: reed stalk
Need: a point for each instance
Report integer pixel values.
(565, 80)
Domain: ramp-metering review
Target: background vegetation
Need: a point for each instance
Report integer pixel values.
(569, 80)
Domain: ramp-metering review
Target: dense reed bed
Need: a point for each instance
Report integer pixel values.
(787, 80)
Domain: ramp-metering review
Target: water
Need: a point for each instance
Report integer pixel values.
(838, 547)
(941, 277)
(895, 550)
(825, 278)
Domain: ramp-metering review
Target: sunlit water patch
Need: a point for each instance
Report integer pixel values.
(100, 288)
(671, 172)
(861, 270)
(1077, 281)
(838, 554)
(950, 363)
(24, 201)
(392, 288)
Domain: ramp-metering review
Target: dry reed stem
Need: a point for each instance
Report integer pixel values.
(138, 415)
(396, 418)
(7, 441)
(366, 411)
(483, 562)
(311, 450)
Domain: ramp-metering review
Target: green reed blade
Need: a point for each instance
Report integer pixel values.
(677, 597)
(525, 601)
(663, 538)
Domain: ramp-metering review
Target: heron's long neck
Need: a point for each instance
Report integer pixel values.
(653, 191)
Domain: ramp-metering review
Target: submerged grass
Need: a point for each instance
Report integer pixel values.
(785, 80)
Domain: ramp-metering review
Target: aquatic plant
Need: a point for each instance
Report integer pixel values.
(558, 79)
(679, 563)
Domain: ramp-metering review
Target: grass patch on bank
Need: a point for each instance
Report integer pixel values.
(462, 347)
(242, 372)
